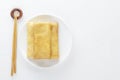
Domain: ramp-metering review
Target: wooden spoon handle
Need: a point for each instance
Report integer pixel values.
(13, 70)
(14, 46)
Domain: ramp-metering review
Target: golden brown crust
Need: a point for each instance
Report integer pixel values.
(30, 40)
(42, 36)
(54, 41)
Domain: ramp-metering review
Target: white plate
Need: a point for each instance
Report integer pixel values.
(65, 42)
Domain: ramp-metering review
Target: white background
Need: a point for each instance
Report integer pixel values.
(95, 25)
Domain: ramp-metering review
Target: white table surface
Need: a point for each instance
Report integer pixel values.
(95, 25)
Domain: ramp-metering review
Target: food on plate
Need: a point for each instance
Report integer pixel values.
(42, 40)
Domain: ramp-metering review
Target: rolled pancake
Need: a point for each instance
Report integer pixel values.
(40, 35)
(42, 40)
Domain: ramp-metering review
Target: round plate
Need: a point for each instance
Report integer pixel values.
(65, 42)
